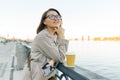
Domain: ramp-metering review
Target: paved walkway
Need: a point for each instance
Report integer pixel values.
(6, 72)
(6, 50)
(2, 70)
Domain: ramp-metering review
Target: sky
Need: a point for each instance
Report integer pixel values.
(20, 18)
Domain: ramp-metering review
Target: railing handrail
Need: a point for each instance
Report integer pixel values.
(70, 72)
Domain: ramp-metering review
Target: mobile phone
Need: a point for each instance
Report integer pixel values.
(47, 70)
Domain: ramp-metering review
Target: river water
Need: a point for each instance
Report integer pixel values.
(101, 57)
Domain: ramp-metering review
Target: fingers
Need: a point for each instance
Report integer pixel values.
(61, 32)
(51, 63)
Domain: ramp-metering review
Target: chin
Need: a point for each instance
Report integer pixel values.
(55, 27)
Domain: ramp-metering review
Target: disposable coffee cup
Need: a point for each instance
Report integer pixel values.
(70, 59)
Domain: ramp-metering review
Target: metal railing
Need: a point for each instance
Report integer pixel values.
(68, 73)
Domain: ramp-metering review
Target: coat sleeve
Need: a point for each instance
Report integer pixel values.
(51, 50)
(63, 47)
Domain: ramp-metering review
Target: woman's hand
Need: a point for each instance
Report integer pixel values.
(60, 32)
(51, 63)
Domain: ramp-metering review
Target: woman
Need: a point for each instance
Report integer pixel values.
(49, 46)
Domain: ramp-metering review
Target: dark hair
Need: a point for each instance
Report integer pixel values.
(42, 25)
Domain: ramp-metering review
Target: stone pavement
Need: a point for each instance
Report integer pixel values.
(6, 72)
(7, 50)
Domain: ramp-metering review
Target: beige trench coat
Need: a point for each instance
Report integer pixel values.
(43, 49)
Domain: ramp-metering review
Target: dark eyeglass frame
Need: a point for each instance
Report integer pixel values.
(52, 17)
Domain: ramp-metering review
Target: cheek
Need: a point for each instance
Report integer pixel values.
(46, 22)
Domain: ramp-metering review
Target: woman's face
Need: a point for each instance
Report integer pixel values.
(53, 20)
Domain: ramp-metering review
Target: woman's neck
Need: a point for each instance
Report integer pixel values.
(52, 31)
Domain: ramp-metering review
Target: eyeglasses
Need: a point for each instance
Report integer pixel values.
(52, 17)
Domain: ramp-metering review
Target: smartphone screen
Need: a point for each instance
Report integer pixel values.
(47, 70)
